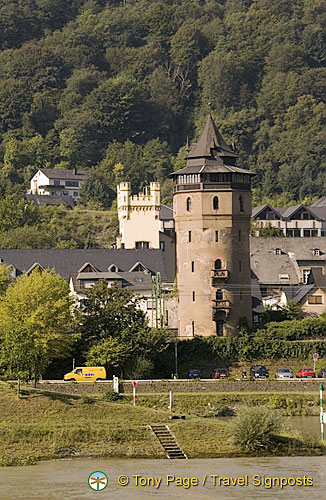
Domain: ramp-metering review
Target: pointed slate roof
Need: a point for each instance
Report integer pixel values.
(211, 143)
(211, 154)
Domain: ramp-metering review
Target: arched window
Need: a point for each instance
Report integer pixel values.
(215, 203)
(218, 264)
(241, 204)
(188, 204)
(219, 294)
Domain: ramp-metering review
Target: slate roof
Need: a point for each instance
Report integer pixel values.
(57, 173)
(67, 261)
(318, 209)
(166, 212)
(301, 248)
(38, 199)
(269, 267)
(210, 139)
(211, 154)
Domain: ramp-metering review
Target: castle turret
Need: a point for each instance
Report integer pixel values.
(212, 211)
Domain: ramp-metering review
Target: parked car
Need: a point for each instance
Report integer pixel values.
(220, 373)
(283, 373)
(194, 374)
(259, 371)
(322, 373)
(306, 373)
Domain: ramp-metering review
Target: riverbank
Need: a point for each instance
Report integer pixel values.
(46, 425)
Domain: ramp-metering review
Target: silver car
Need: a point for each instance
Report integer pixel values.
(283, 373)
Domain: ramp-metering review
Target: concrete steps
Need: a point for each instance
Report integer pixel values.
(168, 441)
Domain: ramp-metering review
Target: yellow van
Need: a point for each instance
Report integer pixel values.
(85, 373)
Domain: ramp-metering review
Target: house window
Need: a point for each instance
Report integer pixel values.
(64, 192)
(241, 204)
(215, 203)
(75, 193)
(316, 251)
(218, 264)
(189, 236)
(189, 204)
(305, 274)
(193, 296)
(219, 294)
(315, 299)
(56, 182)
(277, 251)
(142, 244)
(72, 184)
(192, 266)
(166, 318)
(216, 236)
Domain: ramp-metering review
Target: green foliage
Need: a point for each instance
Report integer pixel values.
(111, 396)
(256, 429)
(115, 333)
(36, 323)
(5, 278)
(77, 76)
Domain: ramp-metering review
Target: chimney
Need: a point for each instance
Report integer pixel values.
(74, 171)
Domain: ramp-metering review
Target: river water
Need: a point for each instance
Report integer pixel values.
(68, 479)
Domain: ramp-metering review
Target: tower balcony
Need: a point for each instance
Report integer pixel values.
(219, 275)
(221, 305)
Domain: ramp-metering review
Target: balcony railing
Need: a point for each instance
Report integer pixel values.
(220, 273)
(221, 304)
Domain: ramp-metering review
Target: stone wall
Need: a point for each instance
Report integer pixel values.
(148, 386)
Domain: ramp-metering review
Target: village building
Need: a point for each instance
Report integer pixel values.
(57, 182)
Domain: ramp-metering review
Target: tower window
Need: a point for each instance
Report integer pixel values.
(240, 294)
(193, 327)
(218, 264)
(215, 203)
(189, 236)
(193, 296)
(241, 204)
(192, 266)
(219, 294)
(216, 236)
(240, 266)
(239, 234)
(219, 328)
(189, 204)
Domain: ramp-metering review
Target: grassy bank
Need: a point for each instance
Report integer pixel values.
(42, 426)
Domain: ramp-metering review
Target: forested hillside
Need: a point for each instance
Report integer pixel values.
(117, 86)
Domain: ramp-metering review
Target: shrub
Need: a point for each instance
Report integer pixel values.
(256, 428)
(111, 396)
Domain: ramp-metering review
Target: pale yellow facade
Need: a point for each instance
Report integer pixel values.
(139, 217)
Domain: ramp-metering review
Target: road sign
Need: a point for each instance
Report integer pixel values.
(134, 383)
(315, 356)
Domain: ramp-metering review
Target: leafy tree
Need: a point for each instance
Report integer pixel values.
(5, 278)
(96, 188)
(115, 330)
(36, 323)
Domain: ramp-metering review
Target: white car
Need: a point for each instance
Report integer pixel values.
(283, 373)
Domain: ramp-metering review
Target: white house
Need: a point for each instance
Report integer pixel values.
(49, 181)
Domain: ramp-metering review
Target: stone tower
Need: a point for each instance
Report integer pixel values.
(212, 211)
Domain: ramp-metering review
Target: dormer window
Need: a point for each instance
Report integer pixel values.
(316, 251)
(277, 251)
(113, 268)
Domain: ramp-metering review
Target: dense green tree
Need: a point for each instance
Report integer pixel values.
(96, 188)
(36, 323)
